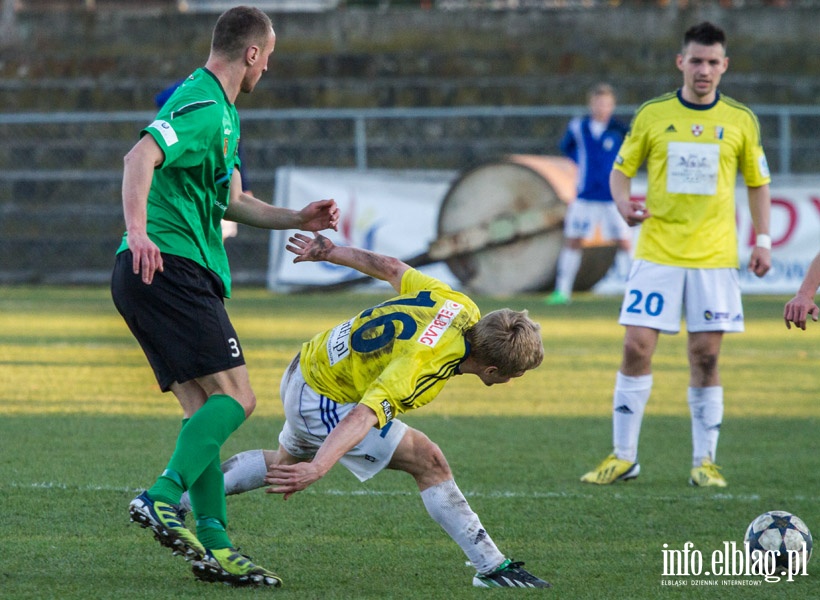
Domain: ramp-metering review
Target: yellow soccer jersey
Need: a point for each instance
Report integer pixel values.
(395, 356)
(693, 154)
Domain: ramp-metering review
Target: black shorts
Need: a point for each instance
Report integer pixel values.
(179, 319)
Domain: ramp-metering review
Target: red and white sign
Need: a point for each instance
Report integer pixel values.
(795, 232)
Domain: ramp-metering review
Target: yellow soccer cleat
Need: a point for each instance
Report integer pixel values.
(707, 475)
(229, 566)
(168, 525)
(612, 469)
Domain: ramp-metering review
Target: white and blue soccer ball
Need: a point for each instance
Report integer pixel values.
(780, 531)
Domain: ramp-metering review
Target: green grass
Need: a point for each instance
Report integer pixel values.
(83, 428)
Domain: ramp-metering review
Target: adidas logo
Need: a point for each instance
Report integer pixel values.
(671, 129)
(624, 410)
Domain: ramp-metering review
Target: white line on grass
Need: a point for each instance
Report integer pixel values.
(720, 497)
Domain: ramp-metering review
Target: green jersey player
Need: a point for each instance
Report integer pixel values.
(171, 277)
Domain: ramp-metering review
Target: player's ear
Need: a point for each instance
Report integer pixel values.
(252, 55)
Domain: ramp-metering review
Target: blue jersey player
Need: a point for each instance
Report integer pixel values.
(592, 142)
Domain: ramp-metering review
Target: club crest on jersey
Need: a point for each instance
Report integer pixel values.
(697, 130)
(440, 323)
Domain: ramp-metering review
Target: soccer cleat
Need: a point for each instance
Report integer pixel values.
(169, 529)
(509, 574)
(707, 475)
(557, 298)
(612, 469)
(228, 566)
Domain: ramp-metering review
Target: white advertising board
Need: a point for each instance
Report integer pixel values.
(396, 212)
(390, 212)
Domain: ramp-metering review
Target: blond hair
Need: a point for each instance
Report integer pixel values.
(506, 339)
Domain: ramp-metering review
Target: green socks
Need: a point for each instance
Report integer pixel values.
(197, 450)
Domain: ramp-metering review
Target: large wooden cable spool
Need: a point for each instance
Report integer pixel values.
(500, 226)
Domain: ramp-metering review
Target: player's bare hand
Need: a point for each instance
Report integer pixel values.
(634, 212)
(309, 249)
(147, 257)
(760, 261)
(319, 215)
(289, 479)
(797, 311)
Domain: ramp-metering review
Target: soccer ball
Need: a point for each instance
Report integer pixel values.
(780, 531)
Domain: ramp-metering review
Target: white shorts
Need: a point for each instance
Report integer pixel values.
(310, 417)
(584, 215)
(655, 296)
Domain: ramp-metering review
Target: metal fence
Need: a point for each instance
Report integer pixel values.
(56, 146)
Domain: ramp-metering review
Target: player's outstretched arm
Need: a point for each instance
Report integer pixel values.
(798, 309)
(245, 208)
(319, 248)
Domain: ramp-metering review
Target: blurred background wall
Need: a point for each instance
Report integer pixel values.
(78, 80)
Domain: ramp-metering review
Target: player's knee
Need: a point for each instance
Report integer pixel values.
(704, 362)
(248, 401)
(435, 464)
(636, 350)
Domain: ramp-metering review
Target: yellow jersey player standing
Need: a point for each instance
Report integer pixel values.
(345, 388)
(693, 141)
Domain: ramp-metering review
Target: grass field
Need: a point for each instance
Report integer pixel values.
(83, 428)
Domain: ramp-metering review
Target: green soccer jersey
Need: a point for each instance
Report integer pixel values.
(396, 356)
(198, 131)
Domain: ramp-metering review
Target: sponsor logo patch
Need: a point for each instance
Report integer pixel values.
(338, 342)
(442, 321)
(387, 409)
(167, 132)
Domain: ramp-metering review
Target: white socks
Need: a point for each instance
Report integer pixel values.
(243, 472)
(706, 406)
(628, 403)
(569, 261)
(448, 507)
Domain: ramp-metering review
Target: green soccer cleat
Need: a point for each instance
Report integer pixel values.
(707, 475)
(509, 574)
(228, 566)
(612, 469)
(557, 298)
(169, 530)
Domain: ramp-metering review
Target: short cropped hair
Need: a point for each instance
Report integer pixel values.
(239, 28)
(601, 89)
(506, 339)
(705, 34)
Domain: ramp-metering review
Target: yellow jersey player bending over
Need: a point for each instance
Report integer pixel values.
(343, 392)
